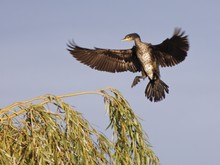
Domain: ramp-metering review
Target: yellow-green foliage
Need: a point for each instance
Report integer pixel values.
(46, 130)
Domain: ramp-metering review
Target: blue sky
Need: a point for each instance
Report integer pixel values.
(184, 128)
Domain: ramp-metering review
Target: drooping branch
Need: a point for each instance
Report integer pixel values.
(46, 129)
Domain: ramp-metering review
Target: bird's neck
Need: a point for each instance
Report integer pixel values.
(137, 41)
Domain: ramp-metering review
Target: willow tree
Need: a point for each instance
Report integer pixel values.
(47, 130)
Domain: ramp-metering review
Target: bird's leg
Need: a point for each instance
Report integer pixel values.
(137, 79)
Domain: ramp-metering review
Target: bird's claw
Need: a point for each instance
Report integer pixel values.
(136, 81)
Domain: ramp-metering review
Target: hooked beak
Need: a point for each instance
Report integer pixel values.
(126, 39)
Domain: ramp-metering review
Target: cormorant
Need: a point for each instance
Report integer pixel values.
(142, 57)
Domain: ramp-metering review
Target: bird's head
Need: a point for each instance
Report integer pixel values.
(130, 37)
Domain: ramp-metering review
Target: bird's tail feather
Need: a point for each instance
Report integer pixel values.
(155, 90)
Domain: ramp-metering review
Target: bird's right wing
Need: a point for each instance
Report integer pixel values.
(109, 60)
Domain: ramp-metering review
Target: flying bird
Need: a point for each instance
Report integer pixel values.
(142, 57)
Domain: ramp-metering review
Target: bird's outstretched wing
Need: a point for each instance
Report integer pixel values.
(109, 60)
(172, 50)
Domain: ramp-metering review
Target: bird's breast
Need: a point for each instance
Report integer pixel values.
(147, 63)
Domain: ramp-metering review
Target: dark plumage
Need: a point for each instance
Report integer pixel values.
(142, 57)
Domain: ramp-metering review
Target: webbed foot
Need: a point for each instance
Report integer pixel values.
(136, 80)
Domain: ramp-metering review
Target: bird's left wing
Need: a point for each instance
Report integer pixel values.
(172, 50)
(109, 60)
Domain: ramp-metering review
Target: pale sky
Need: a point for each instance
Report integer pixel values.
(183, 128)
